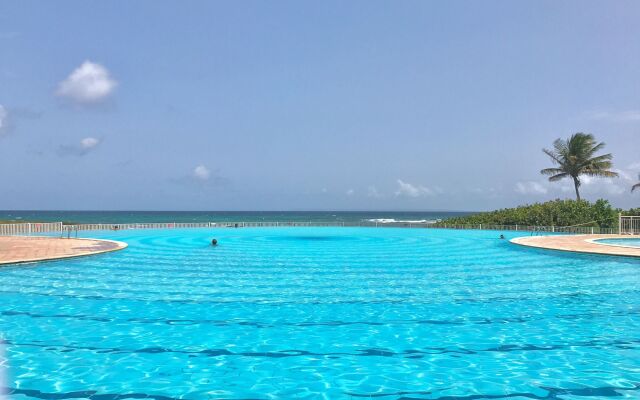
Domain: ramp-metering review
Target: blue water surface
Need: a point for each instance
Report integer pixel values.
(322, 313)
(621, 242)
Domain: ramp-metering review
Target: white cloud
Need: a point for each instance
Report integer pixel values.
(201, 172)
(4, 116)
(89, 83)
(350, 192)
(530, 187)
(89, 143)
(201, 177)
(616, 189)
(634, 166)
(586, 180)
(372, 191)
(612, 186)
(408, 190)
(624, 175)
(590, 186)
(615, 116)
(82, 148)
(602, 186)
(567, 187)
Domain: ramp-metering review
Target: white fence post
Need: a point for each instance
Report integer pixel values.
(629, 225)
(619, 223)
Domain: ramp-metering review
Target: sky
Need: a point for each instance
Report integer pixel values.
(327, 105)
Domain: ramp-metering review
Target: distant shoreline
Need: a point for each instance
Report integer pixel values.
(227, 216)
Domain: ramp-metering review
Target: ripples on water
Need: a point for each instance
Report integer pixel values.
(322, 312)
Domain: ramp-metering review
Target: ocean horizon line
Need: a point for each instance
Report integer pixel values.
(113, 216)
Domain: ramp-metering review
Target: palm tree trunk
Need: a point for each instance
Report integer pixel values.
(576, 184)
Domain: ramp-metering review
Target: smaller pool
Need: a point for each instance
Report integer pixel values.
(621, 242)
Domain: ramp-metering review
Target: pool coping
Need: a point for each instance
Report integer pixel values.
(73, 248)
(586, 244)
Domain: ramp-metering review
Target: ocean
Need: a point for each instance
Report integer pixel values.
(123, 217)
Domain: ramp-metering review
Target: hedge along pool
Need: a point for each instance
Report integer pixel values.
(322, 313)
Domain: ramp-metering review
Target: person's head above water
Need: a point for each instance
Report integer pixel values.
(214, 242)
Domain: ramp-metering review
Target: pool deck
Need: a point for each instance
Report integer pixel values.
(21, 249)
(579, 244)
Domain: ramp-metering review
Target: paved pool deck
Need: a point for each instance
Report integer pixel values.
(579, 244)
(21, 249)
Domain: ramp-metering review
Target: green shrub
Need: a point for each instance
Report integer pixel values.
(632, 211)
(555, 212)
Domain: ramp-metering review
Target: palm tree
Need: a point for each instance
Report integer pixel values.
(636, 186)
(575, 157)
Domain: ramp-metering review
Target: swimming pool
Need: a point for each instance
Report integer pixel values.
(322, 313)
(620, 242)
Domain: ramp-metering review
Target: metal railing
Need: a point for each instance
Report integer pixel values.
(69, 230)
(629, 225)
(28, 228)
(155, 225)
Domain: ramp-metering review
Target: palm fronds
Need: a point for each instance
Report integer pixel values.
(577, 156)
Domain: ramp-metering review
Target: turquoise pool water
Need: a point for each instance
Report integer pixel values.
(322, 313)
(621, 242)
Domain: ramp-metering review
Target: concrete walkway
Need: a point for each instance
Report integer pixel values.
(579, 244)
(19, 249)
